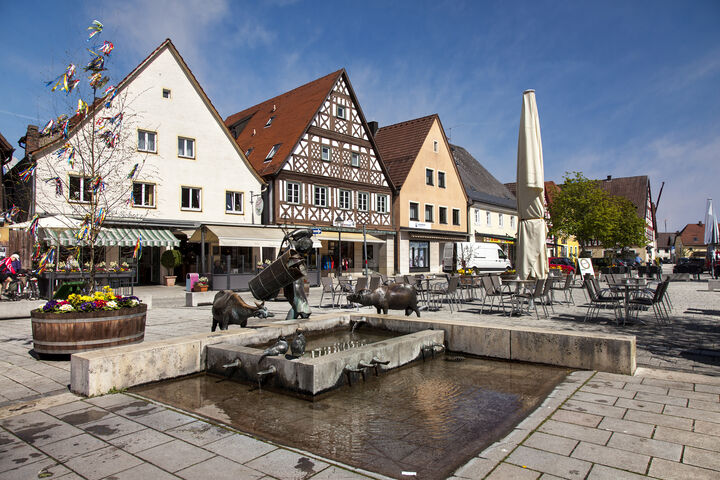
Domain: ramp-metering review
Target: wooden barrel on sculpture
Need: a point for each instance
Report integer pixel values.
(73, 332)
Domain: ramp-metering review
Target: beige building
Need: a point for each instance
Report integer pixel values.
(430, 208)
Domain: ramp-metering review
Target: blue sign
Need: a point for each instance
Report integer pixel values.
(316, 231)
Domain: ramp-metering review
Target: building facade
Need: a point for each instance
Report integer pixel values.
(314, 148)
(430, 208)
(175, 168)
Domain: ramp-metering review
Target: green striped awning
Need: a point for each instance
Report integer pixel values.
(118, 237)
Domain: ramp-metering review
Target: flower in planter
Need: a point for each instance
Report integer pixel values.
(203, 282)
(103, 300)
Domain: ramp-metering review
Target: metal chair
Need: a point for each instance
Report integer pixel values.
(328, 287)
(532, 298)
(564, 287)
(597, 301)
(493, 292)
(448, 291)
(375, 281)
(655, 301)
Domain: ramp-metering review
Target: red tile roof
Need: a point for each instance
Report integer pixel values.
(693, 235)
(293, 112)
(399, 145)
(634, 189)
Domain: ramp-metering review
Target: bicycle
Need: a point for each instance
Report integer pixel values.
(23, 286)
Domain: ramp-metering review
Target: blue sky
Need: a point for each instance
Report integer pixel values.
(623, 87)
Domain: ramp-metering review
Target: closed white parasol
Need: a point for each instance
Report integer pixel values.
(531, 258)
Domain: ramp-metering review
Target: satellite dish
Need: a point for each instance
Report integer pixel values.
(258, 206)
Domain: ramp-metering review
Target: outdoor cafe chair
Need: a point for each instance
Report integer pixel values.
(532, 298)
(493, 292)
(447, 292)
(655, 301)
(565, 287)
(597, 301)
(375, 281)
(330, 288)
(547, 293)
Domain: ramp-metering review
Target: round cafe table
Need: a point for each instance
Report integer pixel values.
(627, 285)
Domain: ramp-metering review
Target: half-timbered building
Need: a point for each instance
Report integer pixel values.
(314, 148)
(431, 204)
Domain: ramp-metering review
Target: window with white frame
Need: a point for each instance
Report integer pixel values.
(429, 213)
(345, 199)
(340, 111)
(143, 194)
(478, 213)
(414, 211)
(292, 193)
(442, 214)
(79, 189)
(362, 201)
(436, 146)
(269, 122)
(429, 176)
(456, 216)
(382, 203)
(146, 141)
(272, 152)
(441, 179)
(501, 220)
(234, 202)
(512, 221)
(190, 198)
(488, 219)
(186, 147)
(320, 196)
(325, 153)
(355, 159)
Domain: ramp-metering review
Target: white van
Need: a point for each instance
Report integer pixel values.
(483, 257)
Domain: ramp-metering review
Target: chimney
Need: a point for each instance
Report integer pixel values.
(609, 177)
(373, 126)
(32, 139)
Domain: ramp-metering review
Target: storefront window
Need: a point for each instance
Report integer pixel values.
(419, 256)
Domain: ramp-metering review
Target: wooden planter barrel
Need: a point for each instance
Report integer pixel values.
(73, 332)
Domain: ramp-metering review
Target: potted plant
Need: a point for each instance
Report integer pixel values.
(171, 259)
(202, 284)
(87, 322)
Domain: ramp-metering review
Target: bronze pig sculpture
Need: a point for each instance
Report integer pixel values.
(229, 307)
(396, 296)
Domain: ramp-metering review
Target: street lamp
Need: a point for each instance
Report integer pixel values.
(338, 222)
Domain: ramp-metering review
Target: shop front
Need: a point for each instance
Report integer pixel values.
(344, 251)
(421, 251)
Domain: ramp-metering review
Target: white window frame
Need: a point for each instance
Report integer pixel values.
(85, 187)
(501, 221)
(316, 190)
(323, 149)
(354, 159)
(272, 152)
(234, 210)
(443, 184)
(436, 146)
(338, 109)
(143, 194)
(345, 204)
(459, 220)
(410, 212)
(512, 221)
(190, 196)
(292, 190)
(432, 177)
(488, 218)
(440, 219)
(478, 213)
(432, 213)
(185, 141)
(362, 201)
(381, 206)
(146, 135)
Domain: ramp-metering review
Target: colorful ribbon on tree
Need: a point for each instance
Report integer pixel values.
(100, 217)
(58, 185)
(26, 174)
(32, 228)
(47, 128)
(68, 150)
(45, 260)
(95, 28)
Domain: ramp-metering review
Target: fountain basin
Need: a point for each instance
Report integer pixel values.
(312, 376)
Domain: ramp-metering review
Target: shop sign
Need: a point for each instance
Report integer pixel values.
(424, 225)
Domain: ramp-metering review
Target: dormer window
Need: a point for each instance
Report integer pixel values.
(340, 111)
(269, 122)
(249, 151)
(272, 152)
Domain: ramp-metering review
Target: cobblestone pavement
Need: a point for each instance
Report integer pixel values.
(663, 422)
